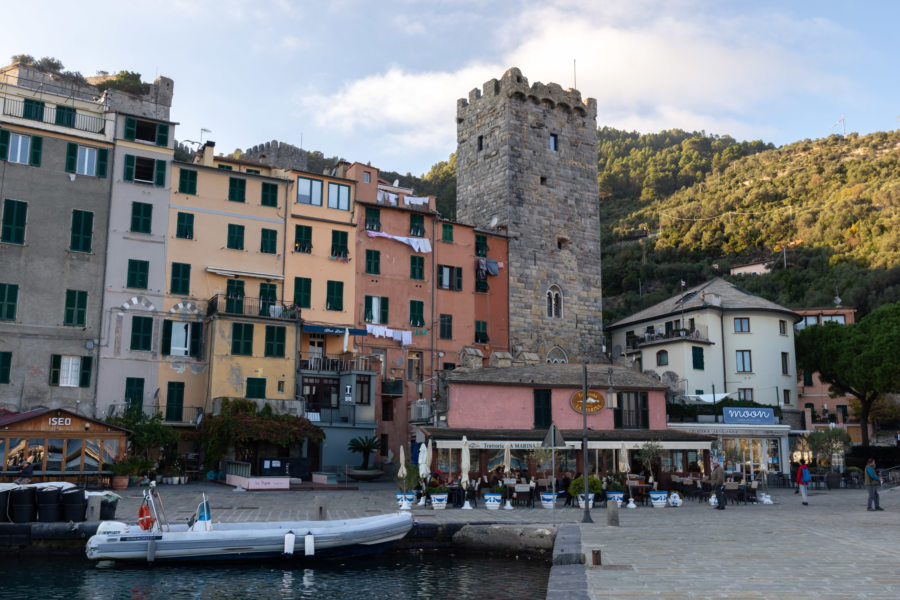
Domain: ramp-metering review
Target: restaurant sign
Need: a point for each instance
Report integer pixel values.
(488, 445)
(595, 402)
(749, 416)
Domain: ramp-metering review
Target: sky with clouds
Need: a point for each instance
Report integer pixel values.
(377, 80)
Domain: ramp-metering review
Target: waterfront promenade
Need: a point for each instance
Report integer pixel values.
(832, 548)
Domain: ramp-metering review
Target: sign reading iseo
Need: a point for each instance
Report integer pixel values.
(60, 421)
(595, 402)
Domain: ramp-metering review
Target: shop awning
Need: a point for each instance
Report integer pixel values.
(330, 329)
(526, 439)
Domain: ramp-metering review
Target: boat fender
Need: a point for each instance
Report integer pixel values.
(151, 551)
(309, 544)
(289, 538)
(144, 518)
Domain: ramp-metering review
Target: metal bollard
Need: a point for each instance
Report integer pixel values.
(612, 513)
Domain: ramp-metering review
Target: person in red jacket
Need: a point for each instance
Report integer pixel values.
(803, 478)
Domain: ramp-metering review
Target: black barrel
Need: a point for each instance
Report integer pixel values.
(21, 505)
(49, 509)
(108, 509)
(74, 504)
(4, 505)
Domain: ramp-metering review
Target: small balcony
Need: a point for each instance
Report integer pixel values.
(339, 414)
(50, 114)
(337, 363)
(392, 387)
(698, 333)
(255, 307)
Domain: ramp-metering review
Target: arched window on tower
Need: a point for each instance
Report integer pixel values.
(554, 302)
(557, 355)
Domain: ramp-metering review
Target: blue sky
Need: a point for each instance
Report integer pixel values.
(377, 81)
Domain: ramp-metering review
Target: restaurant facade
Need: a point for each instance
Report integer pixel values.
(512, 407)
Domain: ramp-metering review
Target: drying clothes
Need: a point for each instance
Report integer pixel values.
(378, 331)
(480, 269)
(387, 198)
(406, 338)
(396, 335)
(416, 200)
(421, 245)
(492, 267)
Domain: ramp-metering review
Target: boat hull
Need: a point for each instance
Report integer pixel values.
(249, 541)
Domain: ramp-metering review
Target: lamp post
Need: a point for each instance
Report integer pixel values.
(584, 450)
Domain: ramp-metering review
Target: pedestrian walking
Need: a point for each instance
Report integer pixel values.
(717, 481)
(872, 482)
(803, 478)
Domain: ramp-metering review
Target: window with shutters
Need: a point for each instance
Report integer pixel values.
(33, 109)
(15, 215)
(375, 310)
(187, 181)
(269, 194)
(175, 401)
(416, 313)
(5, 366)
(81, 239)
(302, 291)
(237, 189)
(234, 296)
(65, 116)
(481, 334)
(70, 371)
(235, 237)
(334, 295)
(181, 279)
(446, 328)
(256, 387)
(633, 411)
(134, 393)
(450, 278)
(20, 149)
(268, 296)
(543, 409)
(274, 341)
(9, 297)
(181, 338)
(339, 244)
(697, 357)
(139, 130)
(142, 333)
(242, 339)
(84, 160)
(75, 313)
(184, 226)
(141, 217)
(138, 273)
(303, 239)
(417, 225)
(373, 262)
(481, 247)
(373, 219)
(140, 169)
(417, 267)
(269, 241)
(446, 233)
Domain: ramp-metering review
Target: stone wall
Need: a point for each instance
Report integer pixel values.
(546, 199)
(278, 154)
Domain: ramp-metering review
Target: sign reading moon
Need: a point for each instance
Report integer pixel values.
(595, 402)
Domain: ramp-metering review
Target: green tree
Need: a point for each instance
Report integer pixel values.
(861, 359)
(365, 446)
(148, 432)
(825, 443)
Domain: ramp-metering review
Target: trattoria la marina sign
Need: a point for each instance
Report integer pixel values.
(595, 402)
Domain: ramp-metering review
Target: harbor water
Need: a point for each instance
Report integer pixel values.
(396, 576)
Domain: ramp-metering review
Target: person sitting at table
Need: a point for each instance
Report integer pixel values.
(26, 472)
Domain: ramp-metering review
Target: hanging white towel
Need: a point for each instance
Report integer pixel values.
(407, 338)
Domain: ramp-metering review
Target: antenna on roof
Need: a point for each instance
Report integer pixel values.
(843, 129)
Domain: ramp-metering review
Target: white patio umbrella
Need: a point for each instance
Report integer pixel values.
(465, 463)
(507, 459)
(401, 474)
(624, 466)
(424, 469)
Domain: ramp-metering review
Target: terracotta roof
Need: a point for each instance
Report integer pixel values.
(556, 375)
(716, 293)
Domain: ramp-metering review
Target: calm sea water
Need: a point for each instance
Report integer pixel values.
(395, 576)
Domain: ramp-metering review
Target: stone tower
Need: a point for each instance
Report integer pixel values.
(527, 163)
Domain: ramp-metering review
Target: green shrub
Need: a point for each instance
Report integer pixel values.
(577, 486)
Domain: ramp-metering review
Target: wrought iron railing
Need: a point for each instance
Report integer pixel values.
(337, 363)
(257, 307)
(84, 122)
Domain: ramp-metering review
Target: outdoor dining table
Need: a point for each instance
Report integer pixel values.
(642, 489)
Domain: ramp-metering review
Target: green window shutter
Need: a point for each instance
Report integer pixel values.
(166, 338)
(175, 401)
(37, 143)
(447, 233)
(697, 357)
(302, 238)
(55, 364)
(76, 308)
(617, 416)
(162, 134)
(5, 366)
(384, 311)
(367, 315)
(543, 409)
(645, 411)
(269, 194)
(274, 341)
(237, 189)
(181, 278)
(416, 225)
(235, 237)
(242, 339)
(269, 241)
(130, 128)
(15, 214)
(65, 116)
(302, 291)
(416, 313)
(184, 227)
(334, 297)
(187, 181)
(102, 162)
(481, 247)
(9, 298)
(87, 362)
(373, 262)
(159, 180)
(807, 378)
(4, 144)
(141, 333)
(256, 387)
(196, 339)
(71, 157)
(416, 267)
(128, 175)
(141, 217)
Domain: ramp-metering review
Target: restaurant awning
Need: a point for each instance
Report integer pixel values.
(526, 439)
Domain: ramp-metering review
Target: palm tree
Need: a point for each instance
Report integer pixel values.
(365, 446)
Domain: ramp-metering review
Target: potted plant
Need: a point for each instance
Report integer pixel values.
(576, 489)
(365, 446)
(406, 485)
(614, 484)
(120, 472)
(493, 497)
(438, 493)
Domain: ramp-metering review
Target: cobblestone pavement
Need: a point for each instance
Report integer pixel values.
(832, 548)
